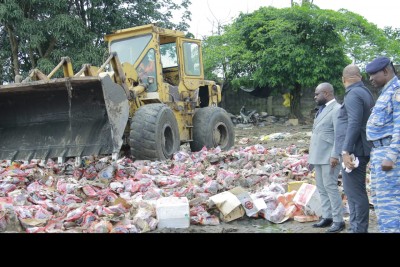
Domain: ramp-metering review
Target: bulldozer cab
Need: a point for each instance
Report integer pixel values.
(166, 56)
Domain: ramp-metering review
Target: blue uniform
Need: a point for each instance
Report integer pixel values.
(383, 128)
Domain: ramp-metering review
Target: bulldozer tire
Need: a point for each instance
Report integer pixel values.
(154, 133)
(212, 127)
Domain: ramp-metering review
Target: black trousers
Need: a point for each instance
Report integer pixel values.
(354, 186)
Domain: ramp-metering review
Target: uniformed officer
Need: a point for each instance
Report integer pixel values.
(383, 129)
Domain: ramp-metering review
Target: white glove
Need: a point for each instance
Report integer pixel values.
(353, 159)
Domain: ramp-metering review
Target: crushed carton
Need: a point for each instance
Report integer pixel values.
(229, 206)
(307, 198)
(246, 201)
(234, 203)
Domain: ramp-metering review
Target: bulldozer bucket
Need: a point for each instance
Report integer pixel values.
(66, 117)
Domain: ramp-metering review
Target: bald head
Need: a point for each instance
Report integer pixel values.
(323, 93)
(326, 87)
(351, 74)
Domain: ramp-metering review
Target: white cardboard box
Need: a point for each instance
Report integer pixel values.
(307, 197)
(173, 212)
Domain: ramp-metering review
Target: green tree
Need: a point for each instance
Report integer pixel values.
(291, 49)
(363, 40)
(393, 46)
(285, 49)
(37, 33)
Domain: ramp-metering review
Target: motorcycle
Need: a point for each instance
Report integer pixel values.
(246, 117)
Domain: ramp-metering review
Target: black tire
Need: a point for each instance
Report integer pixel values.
(212, 127)
(154, 133)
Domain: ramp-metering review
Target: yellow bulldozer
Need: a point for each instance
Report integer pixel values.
(147, 99)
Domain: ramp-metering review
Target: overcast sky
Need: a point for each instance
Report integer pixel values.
(205, 12)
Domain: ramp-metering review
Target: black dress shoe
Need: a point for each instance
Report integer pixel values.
(336, 227)
(323, 223)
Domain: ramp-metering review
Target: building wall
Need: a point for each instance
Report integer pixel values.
(273, 105)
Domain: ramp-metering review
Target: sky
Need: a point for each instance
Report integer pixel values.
(206, 13)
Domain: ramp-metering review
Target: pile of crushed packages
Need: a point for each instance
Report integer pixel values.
(98, 195)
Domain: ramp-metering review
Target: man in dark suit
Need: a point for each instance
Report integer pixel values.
(351, 139)
(326, 160)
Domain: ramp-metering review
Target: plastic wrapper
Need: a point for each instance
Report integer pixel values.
(117, 187)
(87, 219)
(6, 203)
(90, 191)
(90, 172)
(3, 221)
(67, 188)
(48, 181)
(168, 181)
(6, 188)
(207, 219)
(118, 209)
(35, 186)
(67, 199)
(278, 214)
(122, 174)
(51, 206)
(34, 230)
(106, 174)
(226, 178)
(211, 187)
(75, 214)
(13, 172)
(108, 195)
(275, 187)
(100, 227)
(181, 156)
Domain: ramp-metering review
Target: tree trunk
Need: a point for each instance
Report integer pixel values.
(50, 48)
(1, 73)
(295, 104)
(14, 50)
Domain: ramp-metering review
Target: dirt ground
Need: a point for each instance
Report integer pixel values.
(300, 136)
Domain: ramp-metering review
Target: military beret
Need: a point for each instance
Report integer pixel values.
(377, 64)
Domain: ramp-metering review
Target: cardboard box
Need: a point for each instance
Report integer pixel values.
(307, 197)
(229, 206)
(246, 200)
(295, 185)
(173, 212)
(234, 203)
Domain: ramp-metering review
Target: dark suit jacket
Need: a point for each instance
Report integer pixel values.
(352, 120)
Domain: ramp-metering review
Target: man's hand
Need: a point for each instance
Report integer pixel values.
(334, 162)
(387, 165)
(348, 162)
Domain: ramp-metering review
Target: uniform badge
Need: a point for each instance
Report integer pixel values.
(397, 95)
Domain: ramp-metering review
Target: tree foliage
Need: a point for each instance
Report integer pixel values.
(291, 49)
(37, 33)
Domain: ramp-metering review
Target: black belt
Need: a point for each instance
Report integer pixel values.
(382, 142)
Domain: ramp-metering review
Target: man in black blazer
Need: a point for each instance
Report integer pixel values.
(351, 139)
